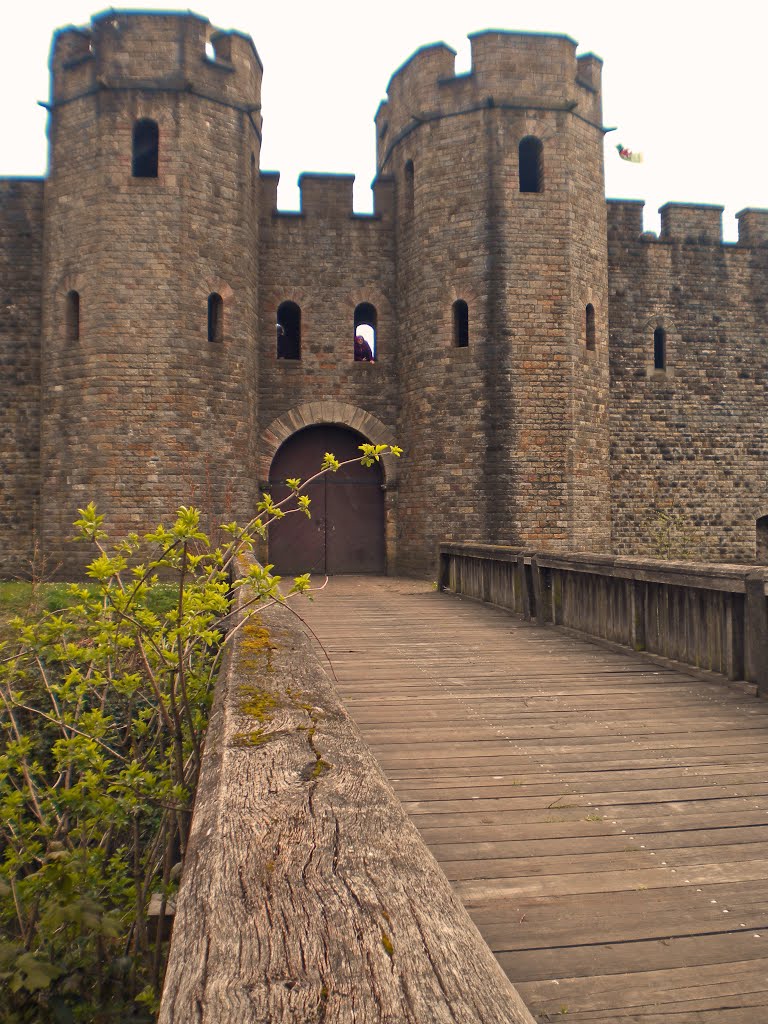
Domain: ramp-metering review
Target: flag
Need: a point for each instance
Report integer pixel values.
(627, 154)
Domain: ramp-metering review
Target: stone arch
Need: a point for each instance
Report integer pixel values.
(71, 281)
(313, 414)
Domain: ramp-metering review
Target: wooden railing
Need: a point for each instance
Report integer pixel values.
(307, 893)
(711, 618)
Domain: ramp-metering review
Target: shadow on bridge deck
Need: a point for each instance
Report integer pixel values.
(603, 820)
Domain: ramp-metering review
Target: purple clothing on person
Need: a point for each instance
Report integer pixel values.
(363, 352)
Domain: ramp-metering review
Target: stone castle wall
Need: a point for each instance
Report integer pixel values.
(21, 266)
(550, 428)
(492, 425)
(328, 260)
(140, 411)
(690, 439)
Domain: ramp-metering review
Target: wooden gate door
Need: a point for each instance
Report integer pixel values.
(346, 531)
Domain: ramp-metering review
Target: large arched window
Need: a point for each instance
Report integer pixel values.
(659, 349)
(590, 326)
(531, 164)
(460, 324)
(72, 316)
(146, 144)
(215, 317)
(288, 331)
(366, 324)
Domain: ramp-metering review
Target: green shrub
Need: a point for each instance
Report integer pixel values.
(104, 700)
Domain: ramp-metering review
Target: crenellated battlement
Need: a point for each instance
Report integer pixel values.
(625, 218)
(753, 226)
(143, 50)
(530, 71)
(328, 196)
(693, 223)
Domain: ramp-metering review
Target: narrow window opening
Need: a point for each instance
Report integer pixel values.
(409, 187)
(590, 324)
(219, 47)
(659, 349)
(72, 316)
(761, 550)
(365, 325)
(146, 141)
(288, 331)
(460, 324)
(215, 317)
(531, 165)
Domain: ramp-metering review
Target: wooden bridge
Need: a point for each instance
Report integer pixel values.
(602, 816)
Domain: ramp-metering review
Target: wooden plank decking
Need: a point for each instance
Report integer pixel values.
(603, 820)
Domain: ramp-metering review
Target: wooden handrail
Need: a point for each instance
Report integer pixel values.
(710, 617)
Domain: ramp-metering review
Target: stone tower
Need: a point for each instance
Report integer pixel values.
(502, 287)
(150, 276)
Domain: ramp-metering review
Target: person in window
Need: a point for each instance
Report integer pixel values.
(363, 352)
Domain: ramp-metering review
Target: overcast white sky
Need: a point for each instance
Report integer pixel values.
(685, 83)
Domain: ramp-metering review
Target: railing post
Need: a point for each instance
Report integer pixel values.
(637, 611)
(542, 591)
(443, 570)
(757, 630)
(487, 569)
(734, 636)
(557, 596)
(525, 588)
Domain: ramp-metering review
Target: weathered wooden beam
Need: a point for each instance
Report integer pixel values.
(307, 894)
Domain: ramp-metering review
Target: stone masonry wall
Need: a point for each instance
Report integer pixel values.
(691, 439)
(21, 242)
(327, 260)
(534, 433)
(142, 413)
(495, 450)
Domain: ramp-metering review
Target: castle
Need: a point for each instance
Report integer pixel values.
(553, 373)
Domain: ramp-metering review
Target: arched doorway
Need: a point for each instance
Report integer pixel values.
(346, 531)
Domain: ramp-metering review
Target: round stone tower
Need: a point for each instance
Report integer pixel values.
(150, 274)
(502, 290)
